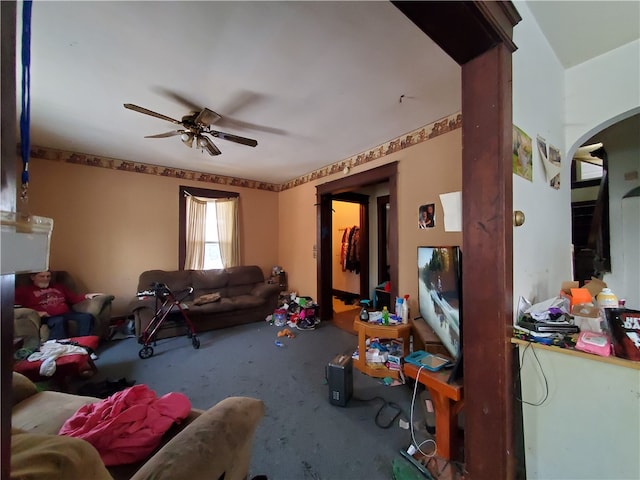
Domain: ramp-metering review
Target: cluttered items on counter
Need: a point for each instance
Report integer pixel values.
(624, 324)
(590, 319)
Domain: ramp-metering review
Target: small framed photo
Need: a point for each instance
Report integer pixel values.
(427, 215)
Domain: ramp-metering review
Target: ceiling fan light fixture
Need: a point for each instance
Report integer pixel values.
(186, 137)
(202, 142)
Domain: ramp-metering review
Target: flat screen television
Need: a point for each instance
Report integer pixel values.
(440, 295)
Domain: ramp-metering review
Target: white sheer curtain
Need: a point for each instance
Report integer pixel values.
(196, 220)
(227, 213)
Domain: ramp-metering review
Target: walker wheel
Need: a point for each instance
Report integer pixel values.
(145, 352)
(195, 341)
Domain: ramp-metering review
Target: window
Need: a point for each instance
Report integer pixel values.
(588, 171)
(216, 252)
(212, 258)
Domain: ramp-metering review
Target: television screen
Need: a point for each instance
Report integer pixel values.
(439, 295)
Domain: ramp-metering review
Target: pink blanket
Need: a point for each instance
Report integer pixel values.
(127, 426)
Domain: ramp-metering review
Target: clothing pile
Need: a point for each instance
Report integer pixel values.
(350, 250)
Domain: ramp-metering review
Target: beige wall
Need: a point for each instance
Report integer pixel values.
(111, 225)
(425, 170)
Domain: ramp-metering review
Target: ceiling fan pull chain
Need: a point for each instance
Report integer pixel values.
(25, 114)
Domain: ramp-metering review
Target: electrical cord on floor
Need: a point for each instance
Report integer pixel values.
(384, 405)
(414, 443)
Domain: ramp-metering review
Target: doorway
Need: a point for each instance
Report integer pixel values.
(337, 189)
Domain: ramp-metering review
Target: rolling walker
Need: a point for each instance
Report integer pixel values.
(166, 302)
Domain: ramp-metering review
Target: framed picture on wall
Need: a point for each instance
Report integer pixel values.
(522, 154)
(554, 159)
(427, 215)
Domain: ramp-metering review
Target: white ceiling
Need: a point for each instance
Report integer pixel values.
(581, 30)
(313, 82)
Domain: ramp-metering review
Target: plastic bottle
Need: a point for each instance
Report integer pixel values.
(364, 313)
(399, 302)
(385, 315)
(607, 299)
(405, 310)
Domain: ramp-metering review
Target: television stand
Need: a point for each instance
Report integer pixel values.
(424, 338)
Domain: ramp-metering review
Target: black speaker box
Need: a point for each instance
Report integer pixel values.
(339, 374)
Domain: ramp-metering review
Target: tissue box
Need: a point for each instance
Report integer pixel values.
(587, 317)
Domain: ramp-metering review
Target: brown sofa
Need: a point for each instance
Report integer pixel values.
(211, 444)
(245, 297)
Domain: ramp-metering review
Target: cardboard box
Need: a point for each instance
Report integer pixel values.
(578, 295)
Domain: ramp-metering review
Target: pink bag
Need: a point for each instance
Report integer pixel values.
(596, 343)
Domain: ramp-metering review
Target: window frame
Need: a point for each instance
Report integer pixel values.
(182, 214)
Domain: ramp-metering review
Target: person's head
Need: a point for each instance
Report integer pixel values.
(41, 279)
(430, 208)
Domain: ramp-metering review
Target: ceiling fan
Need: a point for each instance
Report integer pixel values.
(195, 126)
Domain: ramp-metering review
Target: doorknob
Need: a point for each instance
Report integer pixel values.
(518, 218)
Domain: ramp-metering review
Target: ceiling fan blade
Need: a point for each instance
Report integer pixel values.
(242, 125)
(166, 134)
(208, 145)
(233, 138)
(207, 117)
(146, 111)
(191, 105)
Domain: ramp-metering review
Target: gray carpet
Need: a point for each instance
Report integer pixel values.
(302, 435)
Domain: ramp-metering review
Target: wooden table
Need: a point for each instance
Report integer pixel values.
(447, 401)
(365, 330)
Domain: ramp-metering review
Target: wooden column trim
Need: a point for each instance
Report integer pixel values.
(8, 165)
(488, 264)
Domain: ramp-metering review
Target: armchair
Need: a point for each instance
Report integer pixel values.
(27, 322)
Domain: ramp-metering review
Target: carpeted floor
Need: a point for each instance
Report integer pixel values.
(302, 435)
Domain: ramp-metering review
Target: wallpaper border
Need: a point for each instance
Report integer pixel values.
(423, 134)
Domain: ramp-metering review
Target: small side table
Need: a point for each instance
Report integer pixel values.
(365, 330)
(447, 402)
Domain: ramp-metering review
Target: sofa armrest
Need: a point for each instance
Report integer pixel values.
(21, 388)
(54, 457)
(94, 305)
(217, 444)
(28, 325)
(142, 302)
(266, 290)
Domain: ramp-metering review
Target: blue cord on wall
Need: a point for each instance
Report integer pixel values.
(25, 115)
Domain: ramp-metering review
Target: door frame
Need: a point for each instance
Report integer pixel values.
(325, 193)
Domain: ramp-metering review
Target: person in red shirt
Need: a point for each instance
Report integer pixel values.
(53, 304)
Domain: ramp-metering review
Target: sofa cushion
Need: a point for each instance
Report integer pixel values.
(243, 279)
(246, 301)
(52, 457)
(222, 305)
(207, 298)
(208, 281)
(46, 412)
(177, 281)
